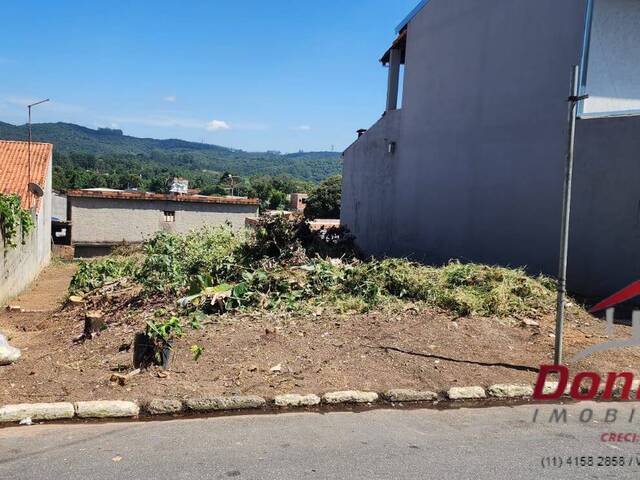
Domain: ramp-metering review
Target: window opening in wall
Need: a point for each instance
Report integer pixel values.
(169, 216)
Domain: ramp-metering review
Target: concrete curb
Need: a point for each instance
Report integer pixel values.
(349, 396)
(466, 393)
(216, 402)
(510, 391)
(171, 406)
(296, 400)
(36, 411)
(408, 395)
(106, 409)
(164, 406)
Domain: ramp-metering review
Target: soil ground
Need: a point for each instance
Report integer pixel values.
(269, 354)
(48, 291)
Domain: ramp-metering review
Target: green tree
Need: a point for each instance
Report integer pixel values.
(278, 200)
(324, 201)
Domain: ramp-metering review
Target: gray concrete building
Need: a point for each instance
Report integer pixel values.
(470, 163)
(21, 264)
(103, 218)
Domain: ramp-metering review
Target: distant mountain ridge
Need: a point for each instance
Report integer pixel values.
(69, 138)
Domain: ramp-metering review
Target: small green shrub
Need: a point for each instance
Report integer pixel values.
(197, 351)
(210, 250)
(172, 260)
(324, 275)
(94, 274)
(161, 335)
(164, 331)
(162, 268)
(275, 237)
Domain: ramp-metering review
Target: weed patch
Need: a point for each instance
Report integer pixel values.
(96, 273)
(279, 267)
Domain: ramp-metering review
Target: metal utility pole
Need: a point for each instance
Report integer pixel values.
(573, 100)
(29, 146)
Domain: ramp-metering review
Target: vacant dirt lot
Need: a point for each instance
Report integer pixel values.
(269, 354)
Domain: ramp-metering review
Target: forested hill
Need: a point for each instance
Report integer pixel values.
(72, 142)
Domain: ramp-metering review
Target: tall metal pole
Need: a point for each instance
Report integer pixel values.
(566, 213)
(29, 148)
(29, 159)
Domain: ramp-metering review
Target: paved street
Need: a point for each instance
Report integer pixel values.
(501, 443)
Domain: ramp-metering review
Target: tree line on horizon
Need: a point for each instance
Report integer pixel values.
(81, 170)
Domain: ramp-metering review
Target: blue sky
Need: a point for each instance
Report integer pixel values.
(257, 75)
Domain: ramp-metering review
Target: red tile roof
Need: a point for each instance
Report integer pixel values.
(14, 168)
(122, 195)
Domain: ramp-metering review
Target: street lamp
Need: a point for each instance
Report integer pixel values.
(29, 144)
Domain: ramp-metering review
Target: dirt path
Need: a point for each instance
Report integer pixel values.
(46, 293)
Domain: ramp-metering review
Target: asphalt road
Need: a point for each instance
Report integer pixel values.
(492, 443)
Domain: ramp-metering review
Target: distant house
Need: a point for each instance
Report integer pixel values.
(103, 218)
(298, 201)
(468, 158)
(20, 265)
(179, 185)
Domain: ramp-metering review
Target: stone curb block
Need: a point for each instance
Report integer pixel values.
(615, 392)
(36, 411)
(296, 400)
(510, 391)
(551, 387)
(617, 389)
(350, 396)
(408, 395)
(160, 406)
(106, 409)
(466, 393)
(225, 403)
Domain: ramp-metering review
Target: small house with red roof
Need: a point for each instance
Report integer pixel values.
(22, 165)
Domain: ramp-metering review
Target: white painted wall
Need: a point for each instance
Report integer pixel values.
(613, 73)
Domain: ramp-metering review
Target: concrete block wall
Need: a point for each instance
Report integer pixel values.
(110, 221)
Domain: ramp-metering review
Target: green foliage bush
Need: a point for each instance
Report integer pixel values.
(274, 237)
(13, 218)
(171, 261)
(96, 273)
(162, 268)
(211, 250)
